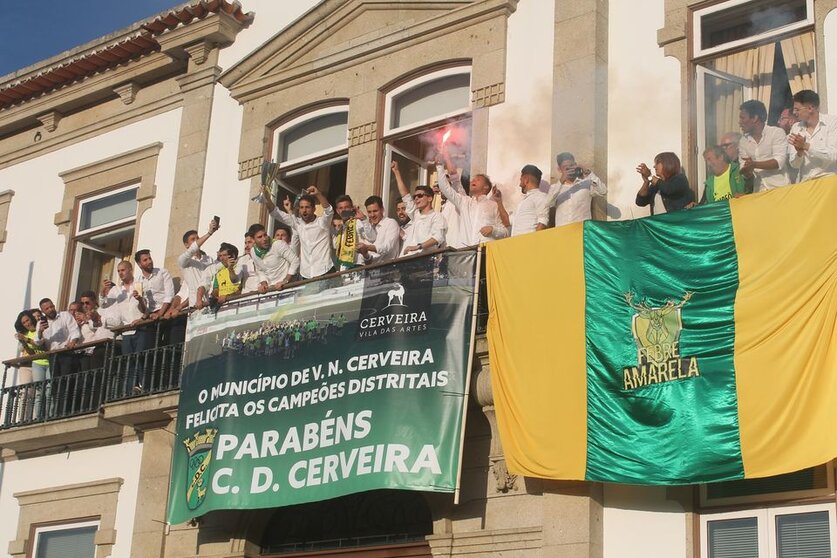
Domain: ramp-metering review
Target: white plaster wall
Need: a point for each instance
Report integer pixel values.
(224, 195)
(644, 93)
(33, 241)
(119, 461)
(519, 129)
(639, 522)
(830, 63)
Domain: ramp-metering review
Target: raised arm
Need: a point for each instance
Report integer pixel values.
(402, 188)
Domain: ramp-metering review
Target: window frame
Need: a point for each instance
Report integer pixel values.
(699, 14)
(766, 524)
(817, 492)
(37, 529)
(98, 196)
(424, 79)
(291, 164)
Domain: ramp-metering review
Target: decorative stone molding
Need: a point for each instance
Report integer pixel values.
(489, 95)
(490, 542)
(69, 503)
(250, 167)
(5, 204)
(127, 91)
(199, 51)
(199, 78)
(362, 134)
(50, 120)
(484, 396)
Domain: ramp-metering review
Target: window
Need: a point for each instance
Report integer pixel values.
(807, 483)
(419, 116)
(396, 520)
(779, 532)
(104, 235)
(736, 23)
(66, 541)
(770, 73)
(313, 150)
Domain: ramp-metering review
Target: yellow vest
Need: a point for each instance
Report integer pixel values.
(224, 284)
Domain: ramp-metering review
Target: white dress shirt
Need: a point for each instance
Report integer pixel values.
(773, 145)
(529, 213)
(474, 213)
(61, 331)
(245, 267)
(314, 241)
(572, 200)
(279, 262)
(385, 235)
(192, 264)
(126, 307)
(157, 289)
(451, 216)
(423, 226)
(821, 157)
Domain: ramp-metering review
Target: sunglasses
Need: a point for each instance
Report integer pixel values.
(420, 196)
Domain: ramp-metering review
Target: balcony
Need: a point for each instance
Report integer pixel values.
(100, 401)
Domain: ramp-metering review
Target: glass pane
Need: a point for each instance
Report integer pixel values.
(749, 20)
(98, 256)
(67, 543)
(314, 136)
(410, 172)
(109, 209)
(329, 177)
(734, 538)
(721, 101)
(803, 535)
(436, 98)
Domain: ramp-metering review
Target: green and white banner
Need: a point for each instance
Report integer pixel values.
(348, 384)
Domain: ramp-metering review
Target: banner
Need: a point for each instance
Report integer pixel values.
(343, 385)
(693, 347)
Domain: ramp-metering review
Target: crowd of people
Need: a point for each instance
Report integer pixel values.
(455, 212)
(281, 339)
(762, 157)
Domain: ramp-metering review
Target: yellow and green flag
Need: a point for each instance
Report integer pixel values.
(692, 347)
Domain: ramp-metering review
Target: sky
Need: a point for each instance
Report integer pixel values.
(33, 30)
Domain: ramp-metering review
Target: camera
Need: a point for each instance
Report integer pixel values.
(579, 173)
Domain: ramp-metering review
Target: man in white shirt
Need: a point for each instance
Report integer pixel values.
(529, 216)
(157, 286)
(246, 267)
(193, 263)
(380, 236)
(427, 230)
(60, 331)
(813, 140)
(276, 263)
(573, 194)
(762, 149)
(478, 217)
(124, 301)
(314, 232)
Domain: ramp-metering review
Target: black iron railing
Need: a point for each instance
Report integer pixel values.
(120, 376)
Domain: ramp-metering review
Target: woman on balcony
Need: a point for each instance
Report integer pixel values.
(668, 180)
(38, 371)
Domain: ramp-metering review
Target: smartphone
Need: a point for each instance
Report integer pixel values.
(217, 220)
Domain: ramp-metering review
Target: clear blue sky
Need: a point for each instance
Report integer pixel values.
(33, 30)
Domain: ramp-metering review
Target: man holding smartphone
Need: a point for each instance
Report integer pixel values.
(573, 194)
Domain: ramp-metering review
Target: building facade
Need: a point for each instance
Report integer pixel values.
(128, 141)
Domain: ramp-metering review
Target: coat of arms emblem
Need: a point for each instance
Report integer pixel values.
(199, 448)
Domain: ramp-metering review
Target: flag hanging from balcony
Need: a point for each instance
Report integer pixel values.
(692, 347)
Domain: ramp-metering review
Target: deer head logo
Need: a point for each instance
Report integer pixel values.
(655, 325)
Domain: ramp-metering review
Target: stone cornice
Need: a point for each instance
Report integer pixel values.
(272, 68)
(133, 114)
(217, 29)
(194, 80)
(91, 90)
(151, 150)
(70, 491)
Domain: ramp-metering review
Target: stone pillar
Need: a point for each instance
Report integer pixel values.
(579, 94)
(150, 517)
(197, 87)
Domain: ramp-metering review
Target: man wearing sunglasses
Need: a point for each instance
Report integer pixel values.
(428, 227)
